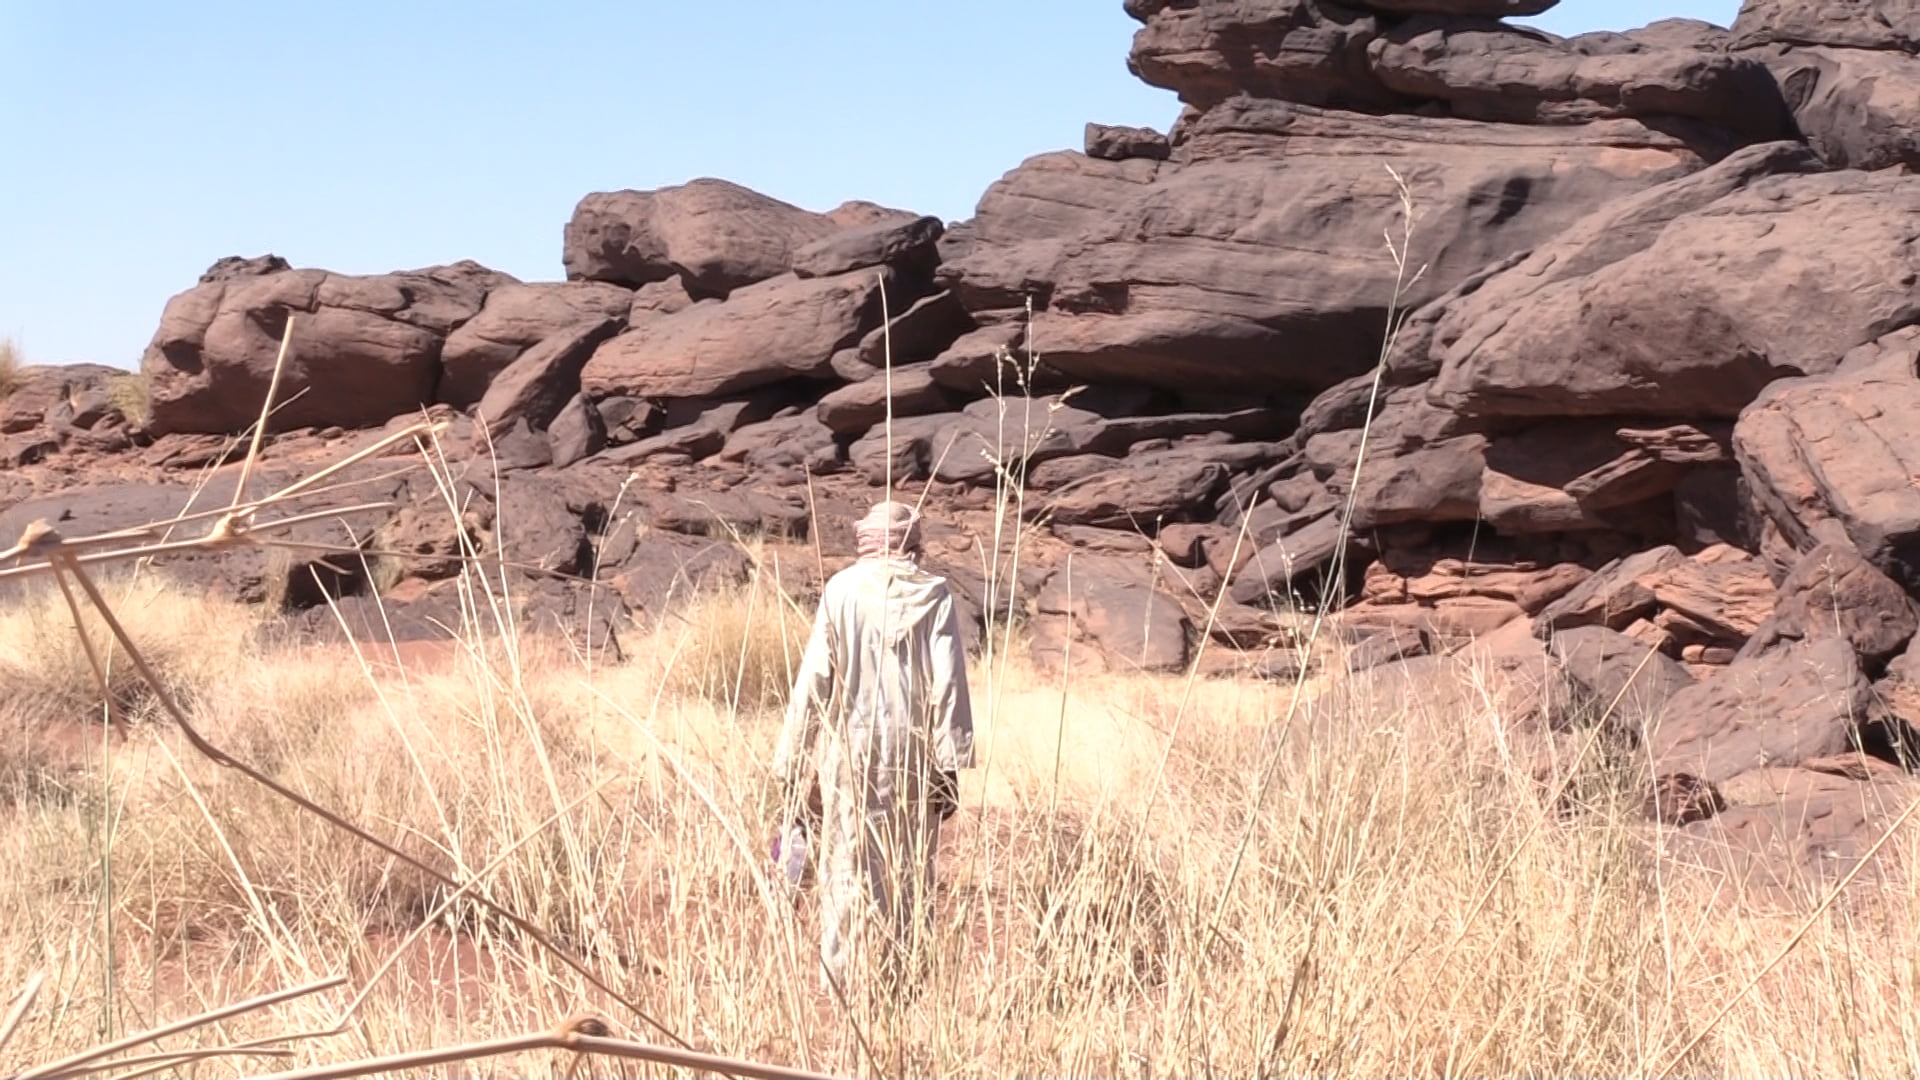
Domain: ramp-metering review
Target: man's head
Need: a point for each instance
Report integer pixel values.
(890, 529)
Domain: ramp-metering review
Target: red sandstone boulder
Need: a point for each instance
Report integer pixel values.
(714, 235)
(1123, 612)
(1834, 592)
(1858, 24)
(784, 328)
(1781, 278)
(541, 380)
(1485, 70)
(1111, 142)
(1788, 834)
(1253, 260)
(365, 349)
(1787, 706)
(1833, 460)
(514, 319)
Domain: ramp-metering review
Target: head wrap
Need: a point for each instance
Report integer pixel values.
(889, 530)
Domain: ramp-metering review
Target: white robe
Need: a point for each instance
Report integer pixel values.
(884, 679)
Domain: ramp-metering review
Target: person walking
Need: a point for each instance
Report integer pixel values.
(880, 714)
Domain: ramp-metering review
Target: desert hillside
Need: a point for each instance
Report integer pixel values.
(1438, 531)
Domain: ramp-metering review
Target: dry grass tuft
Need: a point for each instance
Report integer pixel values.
(10, 365)
(194, 643)
(736, 648)
(52, 693)
(132, 394)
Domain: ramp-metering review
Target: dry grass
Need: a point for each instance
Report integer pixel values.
(49, 683)
(1406, 901)
(736, 648)
(132, 394)
(10, 365)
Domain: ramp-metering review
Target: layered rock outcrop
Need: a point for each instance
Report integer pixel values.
(1633, 402)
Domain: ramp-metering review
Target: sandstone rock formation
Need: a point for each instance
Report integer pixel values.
(370, 346)
(713, 235)
(1631, 417)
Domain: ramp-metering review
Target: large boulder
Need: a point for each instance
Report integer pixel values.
(1420, 463)
(1118, 605)
(1018, 434)
(653, 571)
(1299, 564)
(1833, 592)
(1855, 24)
(55, 396)
(1499, 293)
(788, 327)
(1253, 261)
(1547, 395)
(1487, 70)
(544, 378)
(1112, 142)
(914, 335)
(1833, 460)
(514, 319)
(1460, 7)
(985, 360)
(1434, 57)
(534, 530)
(787, 442)
(576, 432)
(1790, 834)
(1140, 493)
(1467, 427)
(699, 427)
(1848, 70)
(852, 409)
(1796, 703)
(364, 349)
(714, 235)
(1308, 51)
(250, 574)
(1859, 108)
(1780, 278)
(906, 246)
(1611, 677)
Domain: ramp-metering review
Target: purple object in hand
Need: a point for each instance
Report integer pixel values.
(790, 853)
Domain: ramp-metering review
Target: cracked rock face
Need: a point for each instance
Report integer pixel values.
(368, 348)
(1854, 24)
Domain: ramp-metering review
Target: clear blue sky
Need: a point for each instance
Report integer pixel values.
(144, 139)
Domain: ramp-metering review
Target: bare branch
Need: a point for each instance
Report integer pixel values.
(74, 1065)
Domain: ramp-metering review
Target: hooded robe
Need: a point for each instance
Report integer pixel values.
(879, 708)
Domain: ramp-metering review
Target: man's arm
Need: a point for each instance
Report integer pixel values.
(812, 696)
(952, 705)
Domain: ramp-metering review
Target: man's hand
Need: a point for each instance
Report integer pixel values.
(783, 805)
(944, 798)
